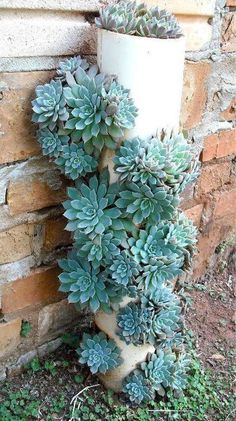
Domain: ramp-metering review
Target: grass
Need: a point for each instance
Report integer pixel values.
(206, 398)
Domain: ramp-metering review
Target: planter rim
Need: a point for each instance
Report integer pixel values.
(142, 39)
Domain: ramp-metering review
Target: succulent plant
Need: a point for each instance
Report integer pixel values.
(157, 23)
(151, 243)
(137, 387)
(126, 17)
(49, 106)
(91, 207)
(100, 250)
(84, 283)
(158, 369)
(157, 271)
(71, 65)
(134, 323)
(161, 161)
(74, 161)
(99, 353)
(166, 322)
(119, 17)
(99, 111)
(51, 143)
(123, 269)
(143, 204)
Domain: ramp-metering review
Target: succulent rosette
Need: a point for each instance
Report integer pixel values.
(51, 142)
(74, 161)
(99, 353)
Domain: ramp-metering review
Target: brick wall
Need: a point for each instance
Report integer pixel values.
(31, 189)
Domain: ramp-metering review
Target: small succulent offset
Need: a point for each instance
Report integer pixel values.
(138, 388)
(75, 162)
(99, 353)
(51, 142)
(124, 269)
(160, 161)
(126, 17)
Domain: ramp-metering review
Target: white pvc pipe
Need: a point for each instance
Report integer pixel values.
(153, 71)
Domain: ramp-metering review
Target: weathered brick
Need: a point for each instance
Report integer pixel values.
(227, 143)
(55, 234)
(17, 135)
(39, 287)
(16, 243)
(228, 35)
(230, 113)
(226, 204)
(194, 93)
(231, 3)
(9, 336)
(219, 145)
(213, 177)
(29, 195)
(195, 214)
(54, 318)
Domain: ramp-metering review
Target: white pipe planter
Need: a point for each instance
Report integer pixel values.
(130, 240)
(144, 66)
(153, 71)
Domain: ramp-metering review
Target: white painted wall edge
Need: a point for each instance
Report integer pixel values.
(63, 5)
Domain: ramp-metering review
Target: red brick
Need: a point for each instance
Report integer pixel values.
(29, 195)
(17, 136)
(227, 143)
(213, 177)
(231, 3)
(230, 113)
(194, 93)
(210, 147)
(226, 204)
(228, 34)
(9, 336)
(16, 243)
(206, 245)
(39, 287)
(219, 145)
(195, 214)
(55, 234)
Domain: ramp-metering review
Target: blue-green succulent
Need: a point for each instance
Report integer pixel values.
(124, 269)
(138, 388)
(71, 65)
(158, 369)
(99, 353)
(75, 162)
(99, 110)
(51, 142)
(49, 106)
(145, 204)
(90, 208)
(100, 250)
(162, 161)
(166, 371)
(128, 17)
(134, 323)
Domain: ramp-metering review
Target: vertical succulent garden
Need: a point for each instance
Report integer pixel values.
(129, 237)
